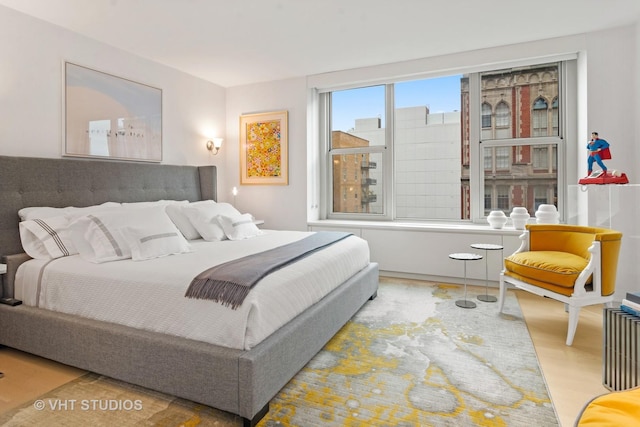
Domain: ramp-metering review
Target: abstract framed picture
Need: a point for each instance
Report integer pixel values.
(110, 117)
(264, 148)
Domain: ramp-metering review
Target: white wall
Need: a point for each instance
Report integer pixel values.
(281, 206)
(31, 91)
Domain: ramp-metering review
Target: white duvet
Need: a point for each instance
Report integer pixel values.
(150, 294)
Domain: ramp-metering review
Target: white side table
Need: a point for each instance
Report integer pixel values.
(487, 247)
(465, 303)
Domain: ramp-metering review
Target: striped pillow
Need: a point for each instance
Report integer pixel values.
(47, 238)
(155, 241)
(238, 227)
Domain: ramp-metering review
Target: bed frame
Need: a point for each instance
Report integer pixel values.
(236, 381)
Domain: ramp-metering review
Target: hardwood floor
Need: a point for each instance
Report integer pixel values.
(573, 374)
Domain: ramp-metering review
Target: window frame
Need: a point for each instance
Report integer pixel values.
(567, 125)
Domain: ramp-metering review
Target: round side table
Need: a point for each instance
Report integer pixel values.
(465, 303)
(487, 247)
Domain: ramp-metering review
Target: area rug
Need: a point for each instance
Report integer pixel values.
(410, 357)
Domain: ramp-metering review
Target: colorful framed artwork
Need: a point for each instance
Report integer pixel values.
(264, 148)
(110, 117)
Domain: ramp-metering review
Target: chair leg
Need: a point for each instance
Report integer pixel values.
(574, 315)
(501, 295)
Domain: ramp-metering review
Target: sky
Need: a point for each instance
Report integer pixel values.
(439, 94)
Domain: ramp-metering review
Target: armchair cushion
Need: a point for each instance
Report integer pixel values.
(549, 269)
(621, 408)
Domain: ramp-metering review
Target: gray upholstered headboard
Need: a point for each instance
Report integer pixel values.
(29, 181)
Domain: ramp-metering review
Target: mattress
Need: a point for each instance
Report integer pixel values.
(150, 294)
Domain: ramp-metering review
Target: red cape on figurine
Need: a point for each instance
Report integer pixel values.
(600, 177)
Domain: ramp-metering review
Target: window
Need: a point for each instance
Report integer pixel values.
(357, 138)
(503, 160)
(503, 197)
(486, 115)
(408, 149)
(540, 117)
(503, 116)
(527, 134)
(554, 116)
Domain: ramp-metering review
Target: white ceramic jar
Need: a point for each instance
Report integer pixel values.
(547, 214)
(519, 217)
(497, 219)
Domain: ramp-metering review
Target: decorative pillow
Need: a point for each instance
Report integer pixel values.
(99, 237)
(47, 238)
(180, 219)
(48, 212)
(238, 227)
(203, 218)
(154, 242)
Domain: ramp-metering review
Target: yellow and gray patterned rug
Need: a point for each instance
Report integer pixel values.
(410, 357)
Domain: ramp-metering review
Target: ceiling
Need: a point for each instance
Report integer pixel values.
(239, 42)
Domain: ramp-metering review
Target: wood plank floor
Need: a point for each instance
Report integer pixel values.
(573, 374)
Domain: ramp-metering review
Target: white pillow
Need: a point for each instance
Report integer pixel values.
(47, 238)
(99, 237)
(48, 212)
(165, 203)
(154, 242)
(238, 227)
(180, 219)
(203, 219)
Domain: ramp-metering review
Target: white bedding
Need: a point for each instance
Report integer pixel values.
(150, 294)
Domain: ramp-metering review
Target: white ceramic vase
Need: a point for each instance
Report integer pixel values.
(497, 219)
(519, 217)
(547, 214)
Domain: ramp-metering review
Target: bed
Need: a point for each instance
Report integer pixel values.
(238, 380)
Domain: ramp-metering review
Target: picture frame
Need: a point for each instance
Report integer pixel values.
(110, 117)
(264, 148)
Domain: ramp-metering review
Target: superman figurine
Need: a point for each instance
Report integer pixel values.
(595, 147)
(599, 151)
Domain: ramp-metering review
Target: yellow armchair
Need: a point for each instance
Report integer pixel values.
(574, 264)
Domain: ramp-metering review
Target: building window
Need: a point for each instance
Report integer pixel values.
(503, 159)
(503, 197)
(486, 115)
(503, 116)
(541, 197)
(416, 148)
(540, 157)
(554, 116)
(539, 121)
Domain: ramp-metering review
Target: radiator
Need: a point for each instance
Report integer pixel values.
(621, 349)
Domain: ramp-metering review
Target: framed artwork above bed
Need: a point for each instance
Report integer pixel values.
(110, 117)
(264, 148)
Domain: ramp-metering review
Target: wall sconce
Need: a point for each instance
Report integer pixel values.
(214, 145)
(234, 191)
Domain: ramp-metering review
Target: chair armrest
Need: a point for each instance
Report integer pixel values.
(524, 244)
(593, 268)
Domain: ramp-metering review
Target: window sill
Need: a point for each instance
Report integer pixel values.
(466, 228)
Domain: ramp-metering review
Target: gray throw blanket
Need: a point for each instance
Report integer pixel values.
(229, 283)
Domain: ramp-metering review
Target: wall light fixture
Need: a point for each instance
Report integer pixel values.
(214, 145)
